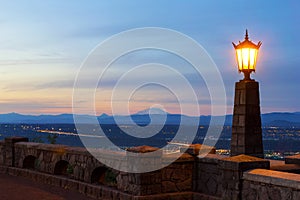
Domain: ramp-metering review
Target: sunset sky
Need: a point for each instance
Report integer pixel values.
(43, 44)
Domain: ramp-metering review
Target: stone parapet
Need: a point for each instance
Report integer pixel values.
(232, 169)
(189, 176)
(207, 175)
(272, 177)
(178, 176)
(143, 158)
(269, 184)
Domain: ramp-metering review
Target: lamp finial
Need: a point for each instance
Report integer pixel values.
(246, 36)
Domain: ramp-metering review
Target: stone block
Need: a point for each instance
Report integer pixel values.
(124, 196)
(185, 185)
(230, 195)
(142, 158)
(242, 98)
(169, 186)
(242, 120)
(296, 195)
(153, 189)
(244, 162)
(82, 188)
(115, 195)
(166, 173)
(295, 159)
(70, 185)
(93, 191)
(210, 158)
(241, 141)
(195, 149)
(56, 181)
(239, 110)
(252, 97)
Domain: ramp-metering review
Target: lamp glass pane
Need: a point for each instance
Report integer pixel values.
(245, 55)
(239, 58)
(252, 58)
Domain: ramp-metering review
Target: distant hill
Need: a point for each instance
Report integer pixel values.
(281, 118)
(282, 123)
(38, 119)
(143, 118)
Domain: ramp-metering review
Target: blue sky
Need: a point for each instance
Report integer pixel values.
(43, 43)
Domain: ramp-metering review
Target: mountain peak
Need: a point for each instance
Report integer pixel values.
(152, 111)
(103, 115)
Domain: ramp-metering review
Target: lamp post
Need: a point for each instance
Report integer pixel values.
(246, 126)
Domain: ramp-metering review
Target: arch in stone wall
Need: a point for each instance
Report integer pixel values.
(62, 167)
(30, 162)
(103, 176)
(98, 175)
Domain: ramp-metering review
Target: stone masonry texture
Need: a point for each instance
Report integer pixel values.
(246, 126)
(190, 177)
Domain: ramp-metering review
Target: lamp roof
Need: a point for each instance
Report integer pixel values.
(247, 43)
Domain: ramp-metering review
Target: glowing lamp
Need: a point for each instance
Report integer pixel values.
(246, 54)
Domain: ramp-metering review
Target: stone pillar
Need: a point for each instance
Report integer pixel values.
(246, 126)
(9, 149)
(232, 169)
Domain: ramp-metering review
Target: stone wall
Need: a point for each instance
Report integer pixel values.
(268, 184)
(191, 176)
(53, 164)
(80, 163)
(176, 177)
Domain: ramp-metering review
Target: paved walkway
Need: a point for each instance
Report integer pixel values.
(18, 188)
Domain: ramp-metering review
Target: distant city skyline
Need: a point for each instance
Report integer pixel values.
(43, 43)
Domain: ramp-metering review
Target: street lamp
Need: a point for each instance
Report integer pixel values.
(246, 54)
(246, 135)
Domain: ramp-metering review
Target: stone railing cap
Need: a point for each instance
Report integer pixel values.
(285, 179)
(295, 159)
(211, 158)
(16, 139)
(142, 149)
(243, 158)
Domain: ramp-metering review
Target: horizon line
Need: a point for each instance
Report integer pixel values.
(57, 114)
